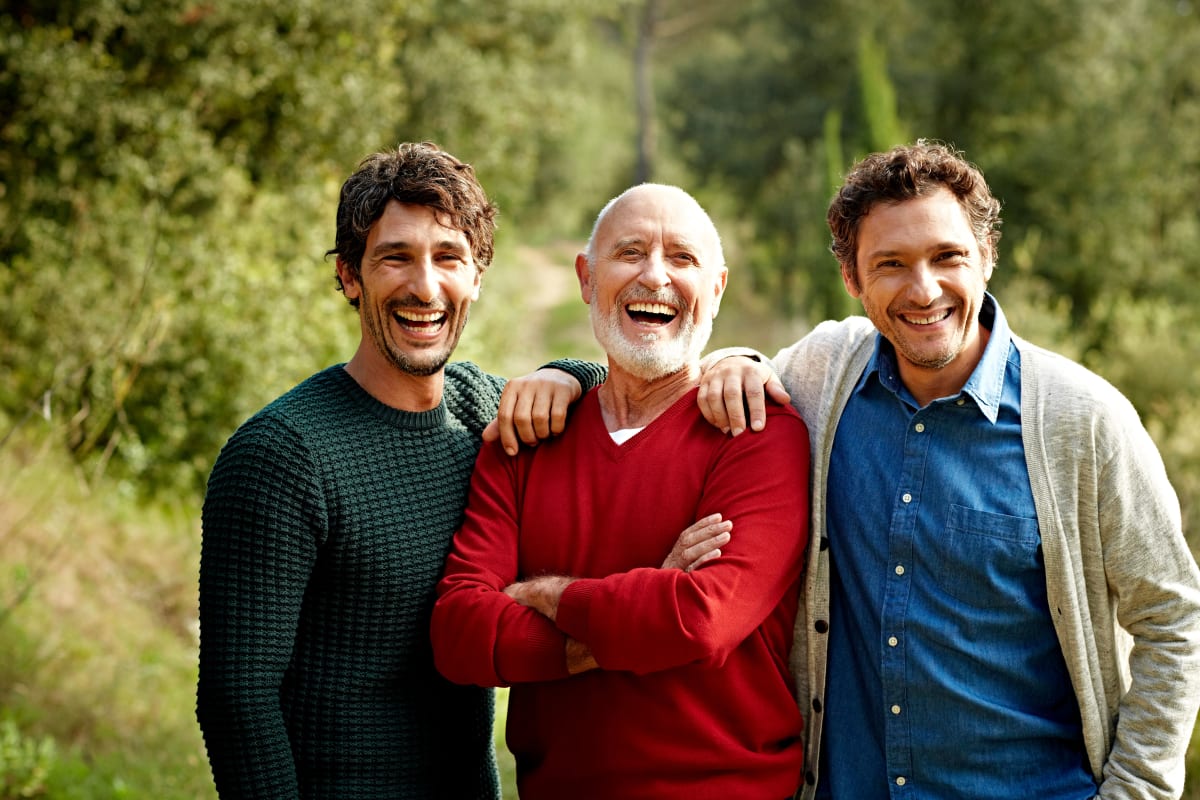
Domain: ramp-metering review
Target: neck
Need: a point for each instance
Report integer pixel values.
(627, 401)
(395, 388)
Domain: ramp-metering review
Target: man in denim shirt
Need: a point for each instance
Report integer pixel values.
(1001, 602)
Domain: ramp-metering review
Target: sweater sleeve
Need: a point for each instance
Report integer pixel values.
(647, 620)
(589, 374)
(261, 520)
(481, 635)
(1153, 577)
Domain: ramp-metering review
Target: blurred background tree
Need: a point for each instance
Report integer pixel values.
(169, 173)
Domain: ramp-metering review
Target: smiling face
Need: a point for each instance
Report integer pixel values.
(655, 281)
(418, 280)
(921, 277)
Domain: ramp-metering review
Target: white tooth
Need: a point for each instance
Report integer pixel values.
(414, 317)
(927, 320)
(652, 308)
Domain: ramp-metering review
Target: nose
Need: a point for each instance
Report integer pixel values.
(422, 281)
(654, 272)
(923, 286)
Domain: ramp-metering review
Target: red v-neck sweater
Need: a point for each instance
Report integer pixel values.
(693, 697)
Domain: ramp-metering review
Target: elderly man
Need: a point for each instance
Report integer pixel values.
(632, 679)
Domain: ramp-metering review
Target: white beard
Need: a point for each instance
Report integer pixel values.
(652, 357)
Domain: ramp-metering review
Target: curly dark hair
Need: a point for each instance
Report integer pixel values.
(904, 173)
(421, 174)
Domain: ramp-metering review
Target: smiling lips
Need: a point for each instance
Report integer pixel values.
(423, 322)
(651, 313)
(931, 319)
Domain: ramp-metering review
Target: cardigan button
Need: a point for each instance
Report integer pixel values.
(821, 626)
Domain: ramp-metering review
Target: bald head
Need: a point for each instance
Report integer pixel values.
(653, 200)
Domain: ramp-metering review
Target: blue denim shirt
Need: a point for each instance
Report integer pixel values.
(945, 676)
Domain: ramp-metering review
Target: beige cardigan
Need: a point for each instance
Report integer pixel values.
(1123, 585)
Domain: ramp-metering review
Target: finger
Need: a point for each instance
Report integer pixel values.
(692, 554)
(559, 405)
(755, 405)
(523, 419)
(735, 408)
(756, 394)
(712, 406)
(777, 391)
(492, 432)
(540, 415)
(504, 421)
(702, 560)
(703, 528)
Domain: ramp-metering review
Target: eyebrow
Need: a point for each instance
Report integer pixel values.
(677, 242)
(684, 243)
(450, 245)
(939, 247)
(627, 241)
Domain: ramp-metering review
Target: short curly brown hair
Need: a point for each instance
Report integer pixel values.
(904, 173)
(421, 174)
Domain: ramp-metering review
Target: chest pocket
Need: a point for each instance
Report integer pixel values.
(988, 560)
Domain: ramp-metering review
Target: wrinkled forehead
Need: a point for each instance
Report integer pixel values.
(654, 214)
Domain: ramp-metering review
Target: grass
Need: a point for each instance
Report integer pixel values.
(98, 631)
(508, 766)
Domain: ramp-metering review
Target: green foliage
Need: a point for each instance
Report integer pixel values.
(883, 129)
(97, 629)
(24, 762)
(168, 179)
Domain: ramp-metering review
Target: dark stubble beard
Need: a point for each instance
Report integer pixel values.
(376, 326)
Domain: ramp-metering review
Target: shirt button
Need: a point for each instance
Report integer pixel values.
(901, 781)
(962, 401)
(893, 641)
(899, 569)
(906, 497)
(919, 427)
(895, 709)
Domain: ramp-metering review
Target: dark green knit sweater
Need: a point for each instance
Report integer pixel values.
(326, 525)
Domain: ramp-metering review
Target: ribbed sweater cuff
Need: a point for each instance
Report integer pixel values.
(589, 374)
(574, 607)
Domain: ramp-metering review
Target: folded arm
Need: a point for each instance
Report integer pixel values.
(646, 620)
(489, 628)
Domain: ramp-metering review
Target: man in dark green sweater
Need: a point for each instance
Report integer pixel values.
(329, 514)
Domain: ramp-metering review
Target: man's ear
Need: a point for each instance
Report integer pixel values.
(719, 290)
(850, 280)
(584, 273)
(351, 286)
